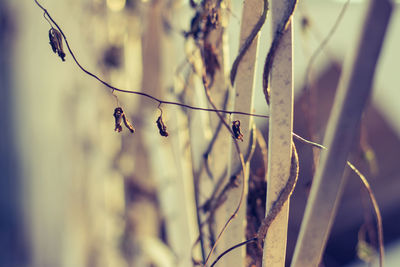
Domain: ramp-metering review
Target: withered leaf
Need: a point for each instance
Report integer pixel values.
(161, 127)
(127, 124)
(56, 43)
(236, 130)
(120, 117)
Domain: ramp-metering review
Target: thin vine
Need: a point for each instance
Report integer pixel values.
(113, 88)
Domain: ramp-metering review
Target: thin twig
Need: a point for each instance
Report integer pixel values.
(217, 200)
(375, 208)
(241, 158)
(309, 105)
(323, 44)
(232, 248)
(205, 166)
(370, 193)
(301, 139)
(160, 101)
(248, 42)
(283, 197)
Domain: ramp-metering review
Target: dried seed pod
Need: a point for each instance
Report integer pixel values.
(127, 124)
(161, 127)
(236, 130)
(56, 43)
(120, 117)
(118, 112)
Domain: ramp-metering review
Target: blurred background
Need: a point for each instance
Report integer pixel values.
(73, 192)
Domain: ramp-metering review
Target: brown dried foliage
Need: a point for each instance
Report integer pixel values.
(120, 117)
(236, 130)
(56, 43)
(161, 127)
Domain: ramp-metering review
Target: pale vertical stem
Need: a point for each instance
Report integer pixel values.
(170, 166)
(243, 101)
(280, 137)
(142, 223)
(173, 169)
(353, 92)
(217, 161)
(187, 227)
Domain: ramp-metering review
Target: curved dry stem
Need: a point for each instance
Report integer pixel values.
(241, 158)
(371, 195)
(375, 208)
(232, 248)
(274, 46)
(287, 191)
(275, 209)
(323, 44)
(305, 141)
(160, 101)
(248, 42)
(283, 197)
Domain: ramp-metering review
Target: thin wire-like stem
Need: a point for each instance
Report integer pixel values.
(241, 158)
(289, 188)
(232, 248)
(375, 208)
(44, 15)
(303, 140)
(324, 43)
(371, 195)
(160, 101)
(248, 42)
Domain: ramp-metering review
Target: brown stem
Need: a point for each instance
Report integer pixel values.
(160, 101)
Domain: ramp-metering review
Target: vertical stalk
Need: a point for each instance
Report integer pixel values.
(354, 90)
(280, 137)
(243, 101)
(172, 162)
(142, 212)
(217, 161)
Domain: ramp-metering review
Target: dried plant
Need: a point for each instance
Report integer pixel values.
(205, 20)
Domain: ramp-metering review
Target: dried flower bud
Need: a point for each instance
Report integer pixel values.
(119, 116)
(118, 119)
(236, 130)
(127, 124)
(56, 43)
(161, 127)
